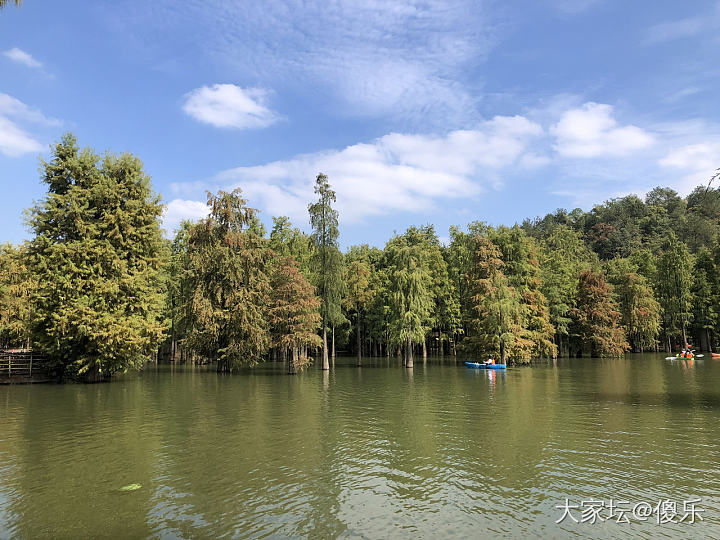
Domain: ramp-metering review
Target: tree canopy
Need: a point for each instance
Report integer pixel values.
(96, 257)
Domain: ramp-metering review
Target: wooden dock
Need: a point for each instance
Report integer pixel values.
(22, 366)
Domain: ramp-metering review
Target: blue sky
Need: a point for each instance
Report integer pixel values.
(418, 111)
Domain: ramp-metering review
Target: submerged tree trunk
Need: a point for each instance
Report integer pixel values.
(326, 361)
(709, 342)
(292, 364)
(409, 354)
(424, 349)
(359, 348)
(333, 342)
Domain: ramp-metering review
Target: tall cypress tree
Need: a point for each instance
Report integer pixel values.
(328, 261)
(674, 285)
(640, 312)
(96, 255)
(357, 278)
(230, 284)
(596, 317)
(519, 253)
(706, 301)
(410, 296)
(293, 313)
(497, 313)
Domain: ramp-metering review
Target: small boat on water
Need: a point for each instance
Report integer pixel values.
(715, 355)
(483, 365)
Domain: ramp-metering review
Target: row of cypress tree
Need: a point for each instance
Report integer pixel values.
(98, 289)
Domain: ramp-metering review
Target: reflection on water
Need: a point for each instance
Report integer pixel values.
(378, 451)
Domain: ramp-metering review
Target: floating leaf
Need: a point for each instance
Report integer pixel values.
(130, 487)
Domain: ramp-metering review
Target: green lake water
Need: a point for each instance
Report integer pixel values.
(439, 451)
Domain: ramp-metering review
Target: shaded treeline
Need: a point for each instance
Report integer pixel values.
(98, 290)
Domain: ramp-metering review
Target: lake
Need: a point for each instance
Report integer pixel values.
(377, 452)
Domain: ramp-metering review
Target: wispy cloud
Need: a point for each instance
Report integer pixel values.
(407, 59)
(10, 106)
(229, 106)
(14, 140)
(683, 28)
(591, 131)
(573, 7)
(21, 57)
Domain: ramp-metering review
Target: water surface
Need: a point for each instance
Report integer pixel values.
(377, 452)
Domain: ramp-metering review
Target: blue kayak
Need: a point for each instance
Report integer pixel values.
(481, 365)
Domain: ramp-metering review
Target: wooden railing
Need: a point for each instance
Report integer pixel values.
(21, 364)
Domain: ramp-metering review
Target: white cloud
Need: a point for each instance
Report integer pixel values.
(229, 106)
(698, 162)
(14, 140)
(395, 173)
(178, 210)
(591, 131)
(21, 57)
(701, 156)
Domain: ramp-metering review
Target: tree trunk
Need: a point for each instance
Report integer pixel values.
(409, 355)
(333, 342)
(359, 349)
(326, 361)
(707, 339)
(684, 336)
(292, 364)
(502, 352)
(424, 349)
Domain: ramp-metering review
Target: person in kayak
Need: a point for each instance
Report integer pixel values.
(490, 361)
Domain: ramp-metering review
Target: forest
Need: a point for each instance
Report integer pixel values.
(99, 290)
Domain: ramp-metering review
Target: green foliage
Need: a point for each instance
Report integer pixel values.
(96, 256)
(497, 316)
(674, 283)
(327, 259)
(706, 292)
(639, 311)
(535, 333)
(289, 241)
(177, 285)
(17, 286)
(410, 297)
(563, 255)
(229, 276)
